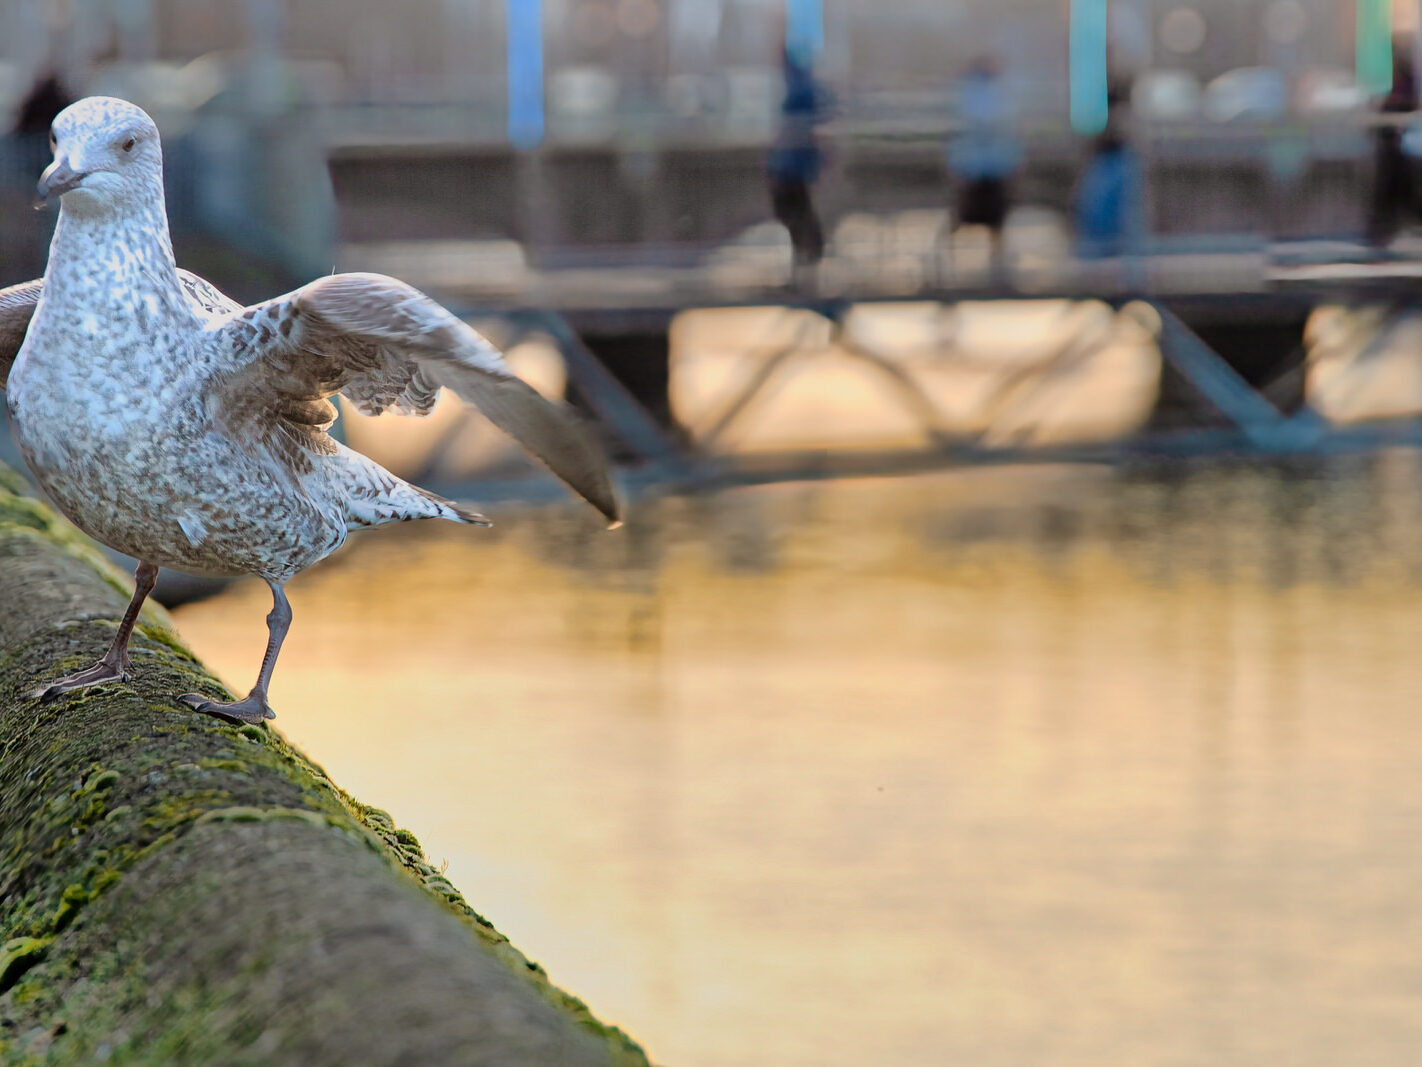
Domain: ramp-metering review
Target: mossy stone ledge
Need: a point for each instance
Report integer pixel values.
(176, 890)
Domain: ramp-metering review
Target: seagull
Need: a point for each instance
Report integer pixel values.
(175, 425)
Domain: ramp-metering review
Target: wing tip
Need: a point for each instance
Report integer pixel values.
(465, 515)
(608, 504)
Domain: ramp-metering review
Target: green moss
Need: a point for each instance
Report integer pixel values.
(12, 482)
(211, 764)
(73, 898)
(162, 631)
(237, 814)
(18, 955)
(101, 779)
(21, 517)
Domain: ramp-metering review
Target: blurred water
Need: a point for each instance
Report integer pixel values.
(1040, 765)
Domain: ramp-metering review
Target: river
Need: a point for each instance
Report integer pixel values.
(1034, 765)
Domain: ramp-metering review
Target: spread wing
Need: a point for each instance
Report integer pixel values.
(383, 345)
(17, 305)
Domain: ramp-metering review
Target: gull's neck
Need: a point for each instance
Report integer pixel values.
(107, 261)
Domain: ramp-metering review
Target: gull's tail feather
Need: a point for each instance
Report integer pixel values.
(454, 512)
(372, 496)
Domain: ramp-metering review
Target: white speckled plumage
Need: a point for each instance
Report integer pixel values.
(175, 425)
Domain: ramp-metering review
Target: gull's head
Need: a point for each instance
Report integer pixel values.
(106, 156)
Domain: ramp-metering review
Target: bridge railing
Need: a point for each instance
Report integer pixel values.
(624, 197)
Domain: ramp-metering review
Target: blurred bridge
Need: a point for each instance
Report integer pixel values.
(672, 200)
(600, 249)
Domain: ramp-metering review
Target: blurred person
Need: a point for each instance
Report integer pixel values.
(1108, 206)
(47, 97)
(1392, 197)
(29, 132)
(983, 154)
(795, 161)
(24, 240)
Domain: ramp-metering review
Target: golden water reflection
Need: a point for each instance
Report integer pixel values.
(1047, 766)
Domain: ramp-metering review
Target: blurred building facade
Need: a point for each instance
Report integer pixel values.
(697, 65)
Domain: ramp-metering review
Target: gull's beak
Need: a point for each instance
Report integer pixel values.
(56, 180)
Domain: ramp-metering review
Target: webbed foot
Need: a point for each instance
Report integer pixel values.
(106, 670)
(252, 710)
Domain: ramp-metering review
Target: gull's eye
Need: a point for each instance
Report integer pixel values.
(128, 145)
(53, 141)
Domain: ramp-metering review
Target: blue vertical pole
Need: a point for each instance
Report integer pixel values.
(1373, 45)
(1087, 66)
(804, 29)
(525, 72)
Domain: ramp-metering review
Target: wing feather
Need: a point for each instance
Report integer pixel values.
(17, 307)
(206, 295)
(386, 345)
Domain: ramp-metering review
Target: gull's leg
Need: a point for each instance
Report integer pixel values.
(113, 666)
(253, 708)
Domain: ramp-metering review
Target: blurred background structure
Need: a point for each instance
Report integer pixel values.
(590, 172)
(785, 240)
(596, 174)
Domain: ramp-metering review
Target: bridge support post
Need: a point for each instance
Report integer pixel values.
(1245, 373)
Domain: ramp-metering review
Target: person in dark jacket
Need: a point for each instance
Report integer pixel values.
(1393, 197)
(24, 238)
(46, 99)
(795, 160)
